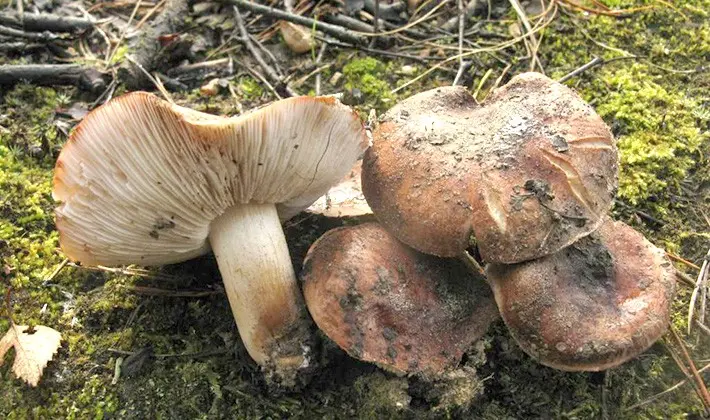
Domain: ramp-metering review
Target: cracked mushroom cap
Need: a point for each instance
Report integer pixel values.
(526, 173)
(140, 179)
(385, 303)
(591, 306)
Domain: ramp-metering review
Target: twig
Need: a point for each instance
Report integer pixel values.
(700, 285)
(332, 30)
(685, 279)
(350, 23)
(154, 291)
(32, 36)
(462, 65)
(46, 22)
(375, 21)
(667, 391)
(123, 32)
(378, 52)
(86, 78)
(158, 85)
(6, 46)
(270, 72)
(597, 61)
(472, 8)
(535, 60)
(605, 11)
(576, 72)
(57, 270)
(704, 328)
(259, 76)
(480, 86)
(645, 216)
(471, 263)
(192, 354)
(682, 260)
(130, 272)
(319, 58)
(499, 80)
(702, 389)
(204, 65)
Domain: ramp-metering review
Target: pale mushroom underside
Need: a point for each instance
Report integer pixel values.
(140, 180)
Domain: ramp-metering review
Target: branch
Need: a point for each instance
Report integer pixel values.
(332, 30)
(33, 36)
(270, 72)
(46, 22)
(53, 74)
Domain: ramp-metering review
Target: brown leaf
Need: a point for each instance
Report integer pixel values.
(344, 199)
(298, 38)
(33, 350)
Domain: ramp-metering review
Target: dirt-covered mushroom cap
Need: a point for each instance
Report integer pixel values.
(385, 303)
(145, 181)
(527, 172)
(591, 306)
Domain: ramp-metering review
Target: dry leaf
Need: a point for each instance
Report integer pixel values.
(33, 350)
(298, 38)
(344, 199)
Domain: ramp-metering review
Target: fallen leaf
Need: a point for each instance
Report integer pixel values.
(34, 348)
(344, 199)
(298, 38)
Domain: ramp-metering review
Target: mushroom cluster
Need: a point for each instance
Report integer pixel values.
(526, 179)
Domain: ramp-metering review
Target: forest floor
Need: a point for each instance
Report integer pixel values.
(172, 326)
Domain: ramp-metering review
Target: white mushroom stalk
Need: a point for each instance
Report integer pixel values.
(144, 181)
(261, 285)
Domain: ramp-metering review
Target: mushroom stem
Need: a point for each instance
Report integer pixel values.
(261, 285)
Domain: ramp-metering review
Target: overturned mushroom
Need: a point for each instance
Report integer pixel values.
(386, 303)
(526, 173)
(144, 181)
(591, 306)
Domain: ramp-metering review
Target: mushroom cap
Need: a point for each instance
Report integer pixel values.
(388, 304)
(591, 306)
(140, 179)
(527, 172)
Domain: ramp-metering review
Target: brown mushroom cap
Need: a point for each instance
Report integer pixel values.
(528, 172)
(386, 303)
(591, 306)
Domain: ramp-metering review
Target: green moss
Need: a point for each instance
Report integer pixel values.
(250, 88)
(370, 76)
(658, 132)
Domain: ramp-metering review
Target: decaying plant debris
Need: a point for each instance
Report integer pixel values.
(641, 64)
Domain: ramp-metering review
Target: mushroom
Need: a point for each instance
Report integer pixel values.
(385, 303)
(145, 181)
(591, 306)
(524, 174)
